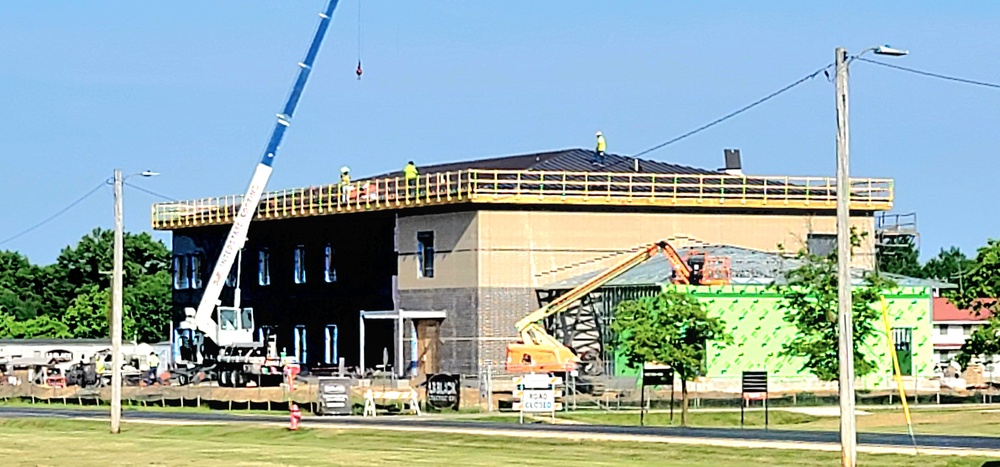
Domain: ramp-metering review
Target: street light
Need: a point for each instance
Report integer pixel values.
(848, 429)
(116, 302)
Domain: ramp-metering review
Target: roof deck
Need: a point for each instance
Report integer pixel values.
(535, 187)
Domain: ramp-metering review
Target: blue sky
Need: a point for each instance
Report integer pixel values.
(190, 89)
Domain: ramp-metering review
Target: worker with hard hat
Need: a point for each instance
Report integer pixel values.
(345, 182)
(410, 175)
(601, 146)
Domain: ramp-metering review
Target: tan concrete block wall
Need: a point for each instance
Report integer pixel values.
(455, 243)
(524, 248)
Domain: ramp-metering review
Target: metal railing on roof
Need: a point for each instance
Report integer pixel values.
(535, 187)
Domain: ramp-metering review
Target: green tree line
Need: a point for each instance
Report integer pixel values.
(977, 282)
(71, 298)
(674, 328)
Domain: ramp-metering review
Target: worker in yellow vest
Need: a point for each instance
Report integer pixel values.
(154, 363)
(410, 175)
(345, 183)
(601, 146)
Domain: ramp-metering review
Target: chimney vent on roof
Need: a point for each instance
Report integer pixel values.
(733, 164)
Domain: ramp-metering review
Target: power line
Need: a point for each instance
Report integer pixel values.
(741, 110)
(57, 214)
(150, 192)
(932, 75)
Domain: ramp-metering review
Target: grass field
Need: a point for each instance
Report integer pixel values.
(40, 442)
(977, 422)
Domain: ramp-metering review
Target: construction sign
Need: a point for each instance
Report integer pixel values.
(537, 393)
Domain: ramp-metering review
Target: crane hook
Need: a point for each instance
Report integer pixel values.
(358, 71)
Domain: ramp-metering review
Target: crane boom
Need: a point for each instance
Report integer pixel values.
(540, 351)
(565, 300)
(248, 206)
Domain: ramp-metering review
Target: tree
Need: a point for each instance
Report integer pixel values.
(810, 305)
(672, 329)
(899, 255)
(985, 342)
(148, 307)
(19, 285)
(38, 327)
(949, 266)
(73, 296)
(146, 285)
(88, 317)
(980, 291)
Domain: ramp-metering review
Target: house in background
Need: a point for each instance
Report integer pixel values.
(952, 327)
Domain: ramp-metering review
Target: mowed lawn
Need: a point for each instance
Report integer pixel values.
(962, 421)
(40, 442)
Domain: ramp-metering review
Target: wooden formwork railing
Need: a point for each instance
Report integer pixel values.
(533, 187)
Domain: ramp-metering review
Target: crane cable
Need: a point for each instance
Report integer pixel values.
(358, 71)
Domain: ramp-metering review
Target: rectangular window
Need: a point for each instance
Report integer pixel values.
(330, 268)
(966, 329)
(194, 263)
(902, 338)
(180, 272)
(942, 329)
(264, 267)
(425, 254)
(300, 264)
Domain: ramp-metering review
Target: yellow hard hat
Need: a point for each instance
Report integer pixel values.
(598, 133)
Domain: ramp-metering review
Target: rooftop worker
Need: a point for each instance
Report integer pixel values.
(345, 182)
(410, 174)
(601, 146)
(345, 175)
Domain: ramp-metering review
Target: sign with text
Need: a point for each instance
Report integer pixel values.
(538, 401)
(755, 384)
(334, 396)
(444, 391)
(537, 381)
(657, 376)
(754, 389)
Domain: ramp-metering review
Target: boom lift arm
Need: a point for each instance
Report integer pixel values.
(539, 351)
(202, 317)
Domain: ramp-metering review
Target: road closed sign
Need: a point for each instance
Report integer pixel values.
(538, 400)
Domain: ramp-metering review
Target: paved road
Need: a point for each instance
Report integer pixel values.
(794, 436)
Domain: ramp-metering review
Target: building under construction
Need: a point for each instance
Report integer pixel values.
(752, 313)
(449, 263)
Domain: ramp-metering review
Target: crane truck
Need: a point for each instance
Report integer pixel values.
(217, 342)
(540, 352)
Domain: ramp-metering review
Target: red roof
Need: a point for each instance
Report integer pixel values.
(944, 310)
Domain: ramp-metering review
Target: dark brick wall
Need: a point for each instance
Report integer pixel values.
(459, 331)
(366, 263)
(499, 309)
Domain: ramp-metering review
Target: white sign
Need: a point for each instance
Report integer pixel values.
(538, 400)
(538, 381)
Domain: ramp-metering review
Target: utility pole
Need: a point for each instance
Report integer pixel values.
(848, 430)
(116, 312)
